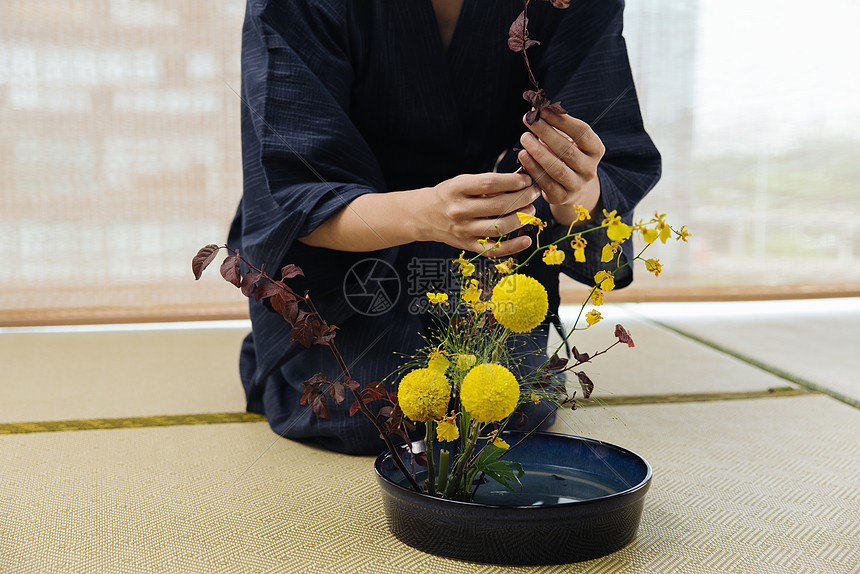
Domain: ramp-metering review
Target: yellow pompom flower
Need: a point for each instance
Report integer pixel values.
(423, 395)
(519, 303)
(447, 429)
(552, 256)
(489, 392)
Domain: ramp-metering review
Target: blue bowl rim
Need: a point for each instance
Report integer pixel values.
(640, 486)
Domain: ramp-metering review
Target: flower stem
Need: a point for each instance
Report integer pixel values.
(429, 453)
(444, 457)
(395, 456)
(459, 467)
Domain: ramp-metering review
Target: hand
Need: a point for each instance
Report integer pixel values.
(464, 209)
(561, 153)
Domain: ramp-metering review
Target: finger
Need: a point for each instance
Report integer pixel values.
(492, 183)
(551, 166)
(506, 203)
(497, 226)
(577, 130)
(507, 247)
(553, 190)
(560, 144)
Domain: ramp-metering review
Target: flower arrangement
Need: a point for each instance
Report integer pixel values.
(465, 387)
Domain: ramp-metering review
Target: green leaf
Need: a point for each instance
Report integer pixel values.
(505, 473)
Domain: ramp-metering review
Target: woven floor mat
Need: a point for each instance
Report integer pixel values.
(82, 375)
(767, 485)
(662, 362)
(807, 339)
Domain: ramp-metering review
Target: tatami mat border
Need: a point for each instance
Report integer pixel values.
(222, 418)
(610, 401)
(129, 422)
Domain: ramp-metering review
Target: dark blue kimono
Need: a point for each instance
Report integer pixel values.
(346, 97)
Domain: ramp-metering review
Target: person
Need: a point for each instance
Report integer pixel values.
(388, 134)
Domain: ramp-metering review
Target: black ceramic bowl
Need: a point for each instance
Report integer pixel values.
(581, 499)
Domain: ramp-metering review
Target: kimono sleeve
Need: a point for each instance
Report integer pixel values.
(585, 66)
(303, 158)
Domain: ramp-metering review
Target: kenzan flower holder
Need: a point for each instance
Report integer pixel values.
(580, 499)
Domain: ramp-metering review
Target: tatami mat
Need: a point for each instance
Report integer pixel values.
(119, 373)
(811, 339)
(662, 362)
(764, 485)
(770, 485)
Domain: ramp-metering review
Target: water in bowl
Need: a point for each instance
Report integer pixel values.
(547, 484)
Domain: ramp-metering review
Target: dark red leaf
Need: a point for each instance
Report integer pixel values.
(248, 282)
(535, 98)
(307, 388)
(374, 391)
(319, 405)
(303, 329)
(518, 38)
(624, 336)
(539, 102)
(338, 392)
(385, 411)
(318, 379)
(230, 270)
(288, 308)
(556, 363)
(580, 357)
(353, 408)
(377, 386)
(323, 333)
(269, 289)
(585, 383)
(556, 108)
(311, 384)
(420, 458)
(203, 258)
(289, 271)
(372, 395)
(352, 384)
